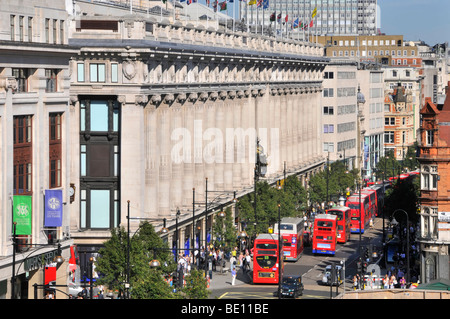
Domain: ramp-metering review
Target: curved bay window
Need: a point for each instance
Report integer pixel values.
(99, 163)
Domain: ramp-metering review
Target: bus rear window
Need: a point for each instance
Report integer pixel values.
(324, 224)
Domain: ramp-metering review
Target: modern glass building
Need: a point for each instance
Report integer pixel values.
(332, 17)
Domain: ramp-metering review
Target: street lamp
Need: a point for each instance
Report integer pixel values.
(57, 259)
(407, 240)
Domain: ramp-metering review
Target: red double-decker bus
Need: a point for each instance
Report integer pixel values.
(353, 203)
(291, 237)
(325, 234)
(266, 261)
(373, 205)
(343, 222)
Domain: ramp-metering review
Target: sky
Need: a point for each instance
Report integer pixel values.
(426, 20)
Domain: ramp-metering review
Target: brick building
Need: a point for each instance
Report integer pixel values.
(434, 159)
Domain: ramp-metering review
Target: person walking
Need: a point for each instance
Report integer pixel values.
(233, 276)
(386, 282)
(355, 283)
(248, 260)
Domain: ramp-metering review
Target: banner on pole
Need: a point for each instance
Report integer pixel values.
(53, 208)
(22, 214)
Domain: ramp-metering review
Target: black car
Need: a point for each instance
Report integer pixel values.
(291, 286)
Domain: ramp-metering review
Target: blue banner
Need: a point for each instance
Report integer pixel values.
(53, 208)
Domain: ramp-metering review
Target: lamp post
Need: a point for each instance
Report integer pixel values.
(407, 241)
(57, 259)
(128, 273)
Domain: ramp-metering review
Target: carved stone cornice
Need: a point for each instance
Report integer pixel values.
(8, 83)
(122, 99)
(231, 95)
(213, 96)
(73, 100)
(181, 97)
(169, 98)
(155, 99)
(141, 99)
(203, 96)
(240, 94)
(223, 95)
(193, 97)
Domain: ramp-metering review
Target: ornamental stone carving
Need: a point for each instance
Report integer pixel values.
(203, 96)
(8, 83)
(169, 98)
(141, 99)
(193, 97)
(181, 97)
(155, 99)
(223, 95)
(129, 69)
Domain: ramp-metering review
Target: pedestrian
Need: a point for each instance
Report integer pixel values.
(233, 275)
(355, 283)
(386, 282)
(210, 266)
(248, 260)
(392, 282)
(402, 283)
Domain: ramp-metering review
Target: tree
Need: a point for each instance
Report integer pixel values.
(196, 285)
(292, 197)
(223, 229)
(337, 182)
(145, 245)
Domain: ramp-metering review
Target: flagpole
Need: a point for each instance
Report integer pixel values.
(275, 7)
(262, 24)
(234, 16)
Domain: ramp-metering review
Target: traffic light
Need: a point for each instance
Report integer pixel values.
(364, 267)
(262, 164)
(366, 253)
(359, 266)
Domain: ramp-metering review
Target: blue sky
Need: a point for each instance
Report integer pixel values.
(426, 20)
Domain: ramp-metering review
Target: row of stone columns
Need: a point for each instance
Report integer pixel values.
(186, 142)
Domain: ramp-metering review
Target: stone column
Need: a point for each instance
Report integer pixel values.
(188, 147)
(164, 119)
(151, 156)
(176, 180)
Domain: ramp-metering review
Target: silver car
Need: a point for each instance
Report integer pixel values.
(326, 276)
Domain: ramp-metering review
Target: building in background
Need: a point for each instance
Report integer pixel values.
(313, 17)
(35, 121)
(434, 152)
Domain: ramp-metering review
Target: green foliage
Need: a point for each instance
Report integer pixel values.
(196, 285)
(337, 182)
(145, 245)
(223, 230)
(404, 195)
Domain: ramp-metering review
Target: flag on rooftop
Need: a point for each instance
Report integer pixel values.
(223, 5)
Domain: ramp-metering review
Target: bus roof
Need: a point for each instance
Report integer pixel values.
(267, 236)
(291, 220)
(341, 208)
(355, 197)
(325, 216)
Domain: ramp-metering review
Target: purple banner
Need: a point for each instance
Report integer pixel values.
(53, 208)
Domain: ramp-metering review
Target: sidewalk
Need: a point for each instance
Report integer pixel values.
(221, 280)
